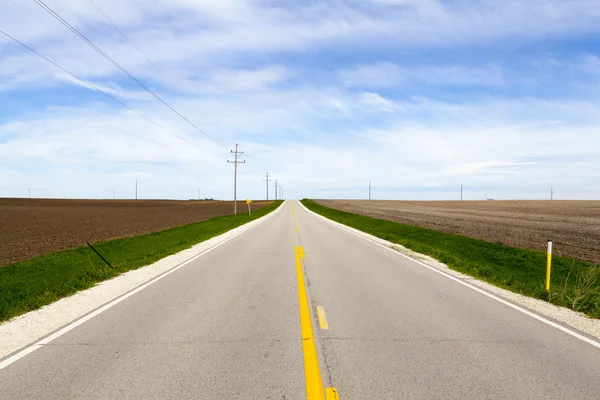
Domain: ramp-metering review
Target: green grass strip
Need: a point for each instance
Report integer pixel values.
(31, 284)
(574, 284)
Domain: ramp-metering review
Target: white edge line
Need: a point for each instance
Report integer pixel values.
(36, 345)
(475, 288)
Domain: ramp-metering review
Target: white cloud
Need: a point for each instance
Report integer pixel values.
(373, 75)
(387, 74)
(591, 64)
(470, 144)
(376, 101)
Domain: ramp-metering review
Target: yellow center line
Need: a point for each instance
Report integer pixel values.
(312, 374)
(331, 394)
(322, 317)
(314, 385)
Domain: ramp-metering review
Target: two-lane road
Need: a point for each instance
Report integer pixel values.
(227, 326)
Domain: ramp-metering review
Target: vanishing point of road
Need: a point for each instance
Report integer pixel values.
(299, 308)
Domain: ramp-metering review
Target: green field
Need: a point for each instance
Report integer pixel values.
(575, 284)
(34, 283)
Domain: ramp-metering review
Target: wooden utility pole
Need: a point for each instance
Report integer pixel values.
(267, 180)
(235, 163)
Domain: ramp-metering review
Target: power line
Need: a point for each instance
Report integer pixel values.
(99, 90)
(117, 65)
(134, 45)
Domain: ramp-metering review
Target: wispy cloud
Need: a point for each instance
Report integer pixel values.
(387, 74)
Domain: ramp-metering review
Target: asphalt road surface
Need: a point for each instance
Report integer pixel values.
(229, 326)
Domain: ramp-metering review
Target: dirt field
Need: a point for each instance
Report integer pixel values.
(32, 227)
(574, 226)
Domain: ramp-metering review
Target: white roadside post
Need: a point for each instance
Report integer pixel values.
(248, 202)
(548, 264)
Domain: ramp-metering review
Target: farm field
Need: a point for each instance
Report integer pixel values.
(574, 226)
(33, 227)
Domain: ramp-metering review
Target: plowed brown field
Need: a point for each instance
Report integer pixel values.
(574, 226)
(32, 227)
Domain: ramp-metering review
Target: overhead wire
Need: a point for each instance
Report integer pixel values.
(100, 90)
(118, 66)
(134, 45)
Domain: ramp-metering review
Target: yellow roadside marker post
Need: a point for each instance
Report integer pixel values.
(248, 202)
(548, 264)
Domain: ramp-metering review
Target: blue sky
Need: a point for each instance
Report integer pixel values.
(416, 96)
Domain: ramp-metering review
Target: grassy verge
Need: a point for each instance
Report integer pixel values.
(574, 284)
(31, 284)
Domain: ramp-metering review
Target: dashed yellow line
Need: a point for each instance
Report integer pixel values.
(294, 216)
(322, 317)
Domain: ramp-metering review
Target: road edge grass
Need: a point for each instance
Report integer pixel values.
(31, 284)
(575, 284)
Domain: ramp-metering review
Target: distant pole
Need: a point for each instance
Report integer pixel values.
(551, 193)
(114, 197)
(281, 192)
(461, 192)
(275, 184)
(369, 190)
(267, 180)
(198, 193)
(136, 189)
(235, 163)
(29, 192)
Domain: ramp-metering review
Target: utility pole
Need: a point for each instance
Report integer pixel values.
(369, 190)
(275, 189)
(235, 163)
(198, 193)
(136, 189)
(29, 192)
(114, 197)
(267, 180)
(461, 191)
(551, 193)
